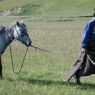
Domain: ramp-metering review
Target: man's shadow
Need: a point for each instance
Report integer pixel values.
(37, 81)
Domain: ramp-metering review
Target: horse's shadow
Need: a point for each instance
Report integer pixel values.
(36, 81)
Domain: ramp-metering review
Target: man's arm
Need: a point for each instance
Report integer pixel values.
(86, 35)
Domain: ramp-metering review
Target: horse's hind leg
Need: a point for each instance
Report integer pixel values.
(1, 76)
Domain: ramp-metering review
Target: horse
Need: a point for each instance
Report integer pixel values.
(16, 30)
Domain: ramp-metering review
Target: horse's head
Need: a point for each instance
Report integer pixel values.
(20, 33)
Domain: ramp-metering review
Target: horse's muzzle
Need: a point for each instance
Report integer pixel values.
(29, 43)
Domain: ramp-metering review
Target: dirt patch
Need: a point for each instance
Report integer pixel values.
(5, 12)
(10, 11)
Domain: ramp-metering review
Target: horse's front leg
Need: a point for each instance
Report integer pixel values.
(1, 76)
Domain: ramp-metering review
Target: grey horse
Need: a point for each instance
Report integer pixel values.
(18, 31)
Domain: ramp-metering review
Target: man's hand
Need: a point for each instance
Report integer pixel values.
(84, 50)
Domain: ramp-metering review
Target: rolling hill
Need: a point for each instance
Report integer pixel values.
(50, 8)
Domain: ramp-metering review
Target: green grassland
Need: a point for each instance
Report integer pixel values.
(49, 28)
(59, 8)
(9, 4)
(43, 73)
(50, 8)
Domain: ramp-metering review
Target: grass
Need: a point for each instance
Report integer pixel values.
(9, 4)
(59, 8)
(50, 8)
(43, 73)
(51, 29)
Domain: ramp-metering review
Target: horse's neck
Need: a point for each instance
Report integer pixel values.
(6, 37)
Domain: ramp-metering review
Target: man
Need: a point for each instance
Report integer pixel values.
(85, 65)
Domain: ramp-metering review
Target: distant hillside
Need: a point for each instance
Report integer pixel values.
(9, 4)
(58, 8)
(50, 8)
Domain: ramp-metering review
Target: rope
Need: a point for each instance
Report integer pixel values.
(13, 62)
(54, 52)
(22, 64)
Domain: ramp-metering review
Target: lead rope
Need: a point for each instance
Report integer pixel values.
(13, 62)
(53, 52)
(25, 57)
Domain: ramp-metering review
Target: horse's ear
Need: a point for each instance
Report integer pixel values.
(17, 23)
(22, 21)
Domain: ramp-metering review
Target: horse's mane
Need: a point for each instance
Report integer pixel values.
(7, 28)
(11, 25)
